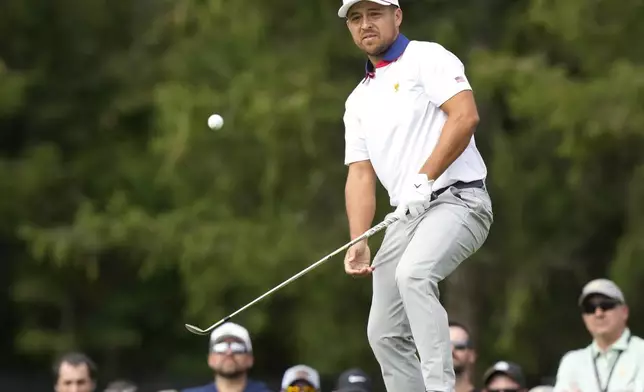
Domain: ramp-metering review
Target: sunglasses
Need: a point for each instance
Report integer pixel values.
(590, 308)
(234, 347)
(461, 345)
(503, 390)
(300, 388)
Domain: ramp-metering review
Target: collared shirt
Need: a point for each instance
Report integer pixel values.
(393, 118)
(576, 371)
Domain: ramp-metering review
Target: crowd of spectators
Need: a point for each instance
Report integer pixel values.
(613, 361)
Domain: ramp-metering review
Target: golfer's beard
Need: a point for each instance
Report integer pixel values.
(380, 50)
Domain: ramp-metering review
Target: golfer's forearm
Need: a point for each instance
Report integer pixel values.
(360, 198)
(456, 135)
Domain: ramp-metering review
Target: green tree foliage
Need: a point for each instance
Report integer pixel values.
(123, 216)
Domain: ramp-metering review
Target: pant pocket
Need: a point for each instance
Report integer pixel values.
(476, 200)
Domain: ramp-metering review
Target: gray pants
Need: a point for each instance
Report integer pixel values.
(406, 315)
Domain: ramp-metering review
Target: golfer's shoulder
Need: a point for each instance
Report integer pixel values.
(417, 48)
(428, 53)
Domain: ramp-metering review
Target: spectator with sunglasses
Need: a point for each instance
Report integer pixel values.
(504, 377)
(463, 357)
(614, 361)
(301, 378)
(231, 358)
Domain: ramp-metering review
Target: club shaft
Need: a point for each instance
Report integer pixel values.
(375, 229)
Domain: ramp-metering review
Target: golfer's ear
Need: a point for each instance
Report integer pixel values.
(398, 16)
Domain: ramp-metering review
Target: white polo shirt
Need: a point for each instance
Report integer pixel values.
(619, 369)
(393, 117)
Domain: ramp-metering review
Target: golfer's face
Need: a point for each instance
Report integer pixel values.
(373, 26)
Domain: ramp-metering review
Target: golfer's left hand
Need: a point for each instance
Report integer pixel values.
(358, 259)
(415, 198)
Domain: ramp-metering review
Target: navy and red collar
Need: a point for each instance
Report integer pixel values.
(392, 54)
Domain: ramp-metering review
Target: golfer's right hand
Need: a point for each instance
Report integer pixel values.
(357, 261)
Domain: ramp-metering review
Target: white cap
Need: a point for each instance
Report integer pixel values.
(301, 372)
(603, 287)
(231, 330)
(346, 4)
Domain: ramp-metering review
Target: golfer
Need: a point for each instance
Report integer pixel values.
(409, 124)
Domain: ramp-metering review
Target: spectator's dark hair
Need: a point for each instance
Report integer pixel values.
(74, 359)
(464, 328)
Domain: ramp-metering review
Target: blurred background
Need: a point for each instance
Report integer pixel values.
(123, 216)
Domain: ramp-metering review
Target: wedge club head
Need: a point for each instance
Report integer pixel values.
(198, 331)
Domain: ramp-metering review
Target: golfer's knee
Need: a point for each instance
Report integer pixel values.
(407, 275)
(410, 277)
(382, 344)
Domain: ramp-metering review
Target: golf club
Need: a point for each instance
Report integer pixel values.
(375, 229)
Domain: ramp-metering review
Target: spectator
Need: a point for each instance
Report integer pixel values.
(301, 378)
(121, 386)
(504, 377)
(463, 357)
(613, 361)
(231, 358)
(353, 380)
(74, 372)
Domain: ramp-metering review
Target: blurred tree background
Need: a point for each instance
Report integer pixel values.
(122, 216)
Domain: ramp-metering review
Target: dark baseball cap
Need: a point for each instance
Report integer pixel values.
(353, 380)
(506, 368)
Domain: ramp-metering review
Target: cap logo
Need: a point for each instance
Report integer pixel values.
(595, 285)
(356, 379)
(302, 374)
(502, 366)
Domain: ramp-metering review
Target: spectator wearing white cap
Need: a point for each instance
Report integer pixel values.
(614, 361)
(231, 358)
(504, 376)
(301, 378)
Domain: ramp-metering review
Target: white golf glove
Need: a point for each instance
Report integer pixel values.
(415, 198)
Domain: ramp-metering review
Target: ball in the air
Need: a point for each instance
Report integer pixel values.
(215, 121)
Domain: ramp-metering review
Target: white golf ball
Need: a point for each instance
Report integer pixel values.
(215, 121)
